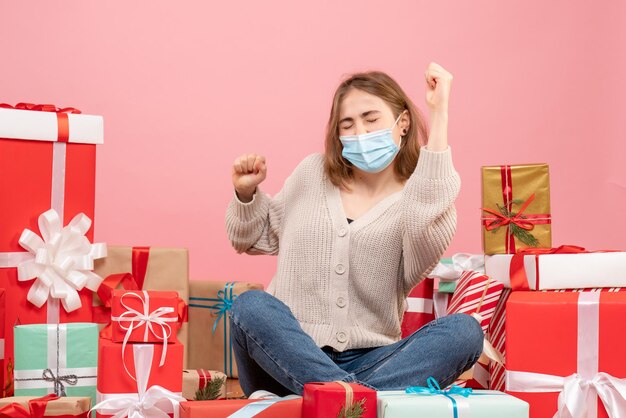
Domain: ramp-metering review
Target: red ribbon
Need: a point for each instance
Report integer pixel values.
(36, 408)
(102, 314)
(140, 264)
(204, 377)
(63, 132)
(517, 272)
(526, 222)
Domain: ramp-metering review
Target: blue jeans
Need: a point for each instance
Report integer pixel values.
(274, 353)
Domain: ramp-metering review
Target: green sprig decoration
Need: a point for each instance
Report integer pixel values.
(211, 391)
(520, 233)
(356, 410)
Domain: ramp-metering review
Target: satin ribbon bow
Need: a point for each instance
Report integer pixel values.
(433, 389)
(223, 306)
(575, 391)
(36, 408)
(40, 108)
(151, 320)
(60, 260)
(461, 262)
(153, 402)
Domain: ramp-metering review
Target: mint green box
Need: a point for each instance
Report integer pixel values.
(480, 404)
(56, 358)
(446, 287)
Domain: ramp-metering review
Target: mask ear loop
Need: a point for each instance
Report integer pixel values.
(394, 125)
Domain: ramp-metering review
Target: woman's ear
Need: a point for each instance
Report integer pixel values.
(405, 122)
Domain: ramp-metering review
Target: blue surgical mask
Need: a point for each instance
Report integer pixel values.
(371, 152)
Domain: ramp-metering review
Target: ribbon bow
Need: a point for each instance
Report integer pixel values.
(515, 218)
(151, 320)
(224, 305)
(36, 408)
(155, 402)
(60, 260)
(40, 108)
(433, 389)
(59, 387)
(461, 262)
(575, 391)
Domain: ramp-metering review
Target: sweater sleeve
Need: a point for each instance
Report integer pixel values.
(428, 213)
(254, 227)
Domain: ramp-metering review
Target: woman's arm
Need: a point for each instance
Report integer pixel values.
(429, 215)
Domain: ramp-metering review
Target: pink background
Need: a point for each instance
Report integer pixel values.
(185, 87)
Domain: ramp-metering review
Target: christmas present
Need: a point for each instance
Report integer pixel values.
(569, 361)
(3, 388)
(287, 407)
(146, 316)
(564, 267)
(448, 271)
(338, 399)
(516, 208)
(419, 308)
(60, 359)
(455, 402)
(210, 346)
(477, 295)
(47, 167)
(134, 381)
(200, 384)
(153, 268)
(47, 406)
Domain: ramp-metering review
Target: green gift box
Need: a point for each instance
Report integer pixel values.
(56, 358)
(479, 403)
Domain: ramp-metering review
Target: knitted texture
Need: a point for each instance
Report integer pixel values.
(346, 283)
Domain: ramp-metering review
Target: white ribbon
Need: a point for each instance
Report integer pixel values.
(579, 392)
(138, 319)
(60, 261)
(460, 262)
(155, 402)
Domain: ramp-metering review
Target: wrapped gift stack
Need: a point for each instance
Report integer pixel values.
(47, 166)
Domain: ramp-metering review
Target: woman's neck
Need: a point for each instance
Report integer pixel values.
(374, 184)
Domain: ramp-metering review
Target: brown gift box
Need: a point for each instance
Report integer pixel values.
(166, 269)
(74, 406)
(207, 349)
(516, 208)
(193, 380)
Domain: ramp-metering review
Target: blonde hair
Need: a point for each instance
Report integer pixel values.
(338, 169)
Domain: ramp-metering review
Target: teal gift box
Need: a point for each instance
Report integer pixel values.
(480, 403)
(56, 358)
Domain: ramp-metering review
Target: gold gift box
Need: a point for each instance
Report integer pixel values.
(518, 183)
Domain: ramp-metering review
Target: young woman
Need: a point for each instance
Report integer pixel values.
(355, 229)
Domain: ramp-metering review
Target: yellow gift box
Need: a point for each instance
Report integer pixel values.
(516, 208)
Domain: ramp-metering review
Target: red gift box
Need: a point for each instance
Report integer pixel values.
(290, 408)
(321, 400)
(563, 349)
(127, 378)
(43, 165)
(419, 308)
(145, 316)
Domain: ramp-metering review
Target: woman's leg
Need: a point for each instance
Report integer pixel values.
(444, 349)
(272, 351)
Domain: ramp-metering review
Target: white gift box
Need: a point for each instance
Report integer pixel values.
(44, 126)
(563, 271)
